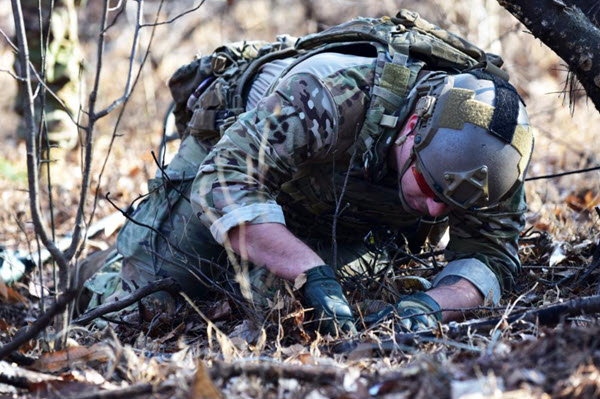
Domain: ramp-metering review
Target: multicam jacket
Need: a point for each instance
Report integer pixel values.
(291, 160)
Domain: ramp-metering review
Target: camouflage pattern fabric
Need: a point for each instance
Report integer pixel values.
(286, 161)
(63, 58)
(166, 238)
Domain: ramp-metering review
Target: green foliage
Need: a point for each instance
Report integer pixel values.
(12, 172)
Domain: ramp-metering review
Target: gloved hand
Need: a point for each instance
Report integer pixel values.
(414, 312)
(323, 292)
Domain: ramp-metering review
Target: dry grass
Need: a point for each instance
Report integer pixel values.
(521, 361)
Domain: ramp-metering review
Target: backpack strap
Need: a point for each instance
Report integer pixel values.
(217, 105)
(389, 106)
(412, 20)
(304, 55)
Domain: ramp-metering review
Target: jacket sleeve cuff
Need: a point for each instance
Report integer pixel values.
(477, 273)
(251, 214)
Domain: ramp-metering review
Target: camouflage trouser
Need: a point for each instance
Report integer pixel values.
(165, 238)
(62, 63)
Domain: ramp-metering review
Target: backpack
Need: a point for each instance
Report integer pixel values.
(210, 92)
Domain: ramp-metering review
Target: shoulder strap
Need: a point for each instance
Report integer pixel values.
(389, 106)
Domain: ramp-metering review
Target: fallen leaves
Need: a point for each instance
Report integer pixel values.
(60, 360)
(584, 200)
(11, 295)
(202, 385)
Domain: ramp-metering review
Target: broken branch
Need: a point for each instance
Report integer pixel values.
(42, 322)
(166, 284)
(273, 370)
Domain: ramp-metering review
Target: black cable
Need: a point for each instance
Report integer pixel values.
(572, 172)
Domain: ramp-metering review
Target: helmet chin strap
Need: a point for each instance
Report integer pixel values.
(401, 173)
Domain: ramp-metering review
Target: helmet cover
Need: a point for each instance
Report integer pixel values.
(473, 142)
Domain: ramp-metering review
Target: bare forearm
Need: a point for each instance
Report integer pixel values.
(461, 294)
(274, 246)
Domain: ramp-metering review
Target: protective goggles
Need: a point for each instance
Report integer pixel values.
(423, 186)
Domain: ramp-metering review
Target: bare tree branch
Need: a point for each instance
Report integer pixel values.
(134, 46)
(89, 132)
(93, 116)
(175, 18)
(14, 76)
(569, 33)
(119, 118)
(32, 150)
(10, 43)
(166, 284)
(41, 322)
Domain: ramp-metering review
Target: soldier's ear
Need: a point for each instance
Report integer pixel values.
(409, 127)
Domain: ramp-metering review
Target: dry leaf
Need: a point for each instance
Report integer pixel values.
(35, 289)
(299, 281)
(218, 311)
(10, 295)
(4, 326)
(307, 358)
(90, 266)
(3, 291)
(247, 330)
(203, 387)
(135, 170)
(486, 386)
(174, 333)
(293, 350)
(55, 361)
(558, 254)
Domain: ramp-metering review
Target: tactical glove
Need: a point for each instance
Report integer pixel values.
(323, 292)
(414, 312)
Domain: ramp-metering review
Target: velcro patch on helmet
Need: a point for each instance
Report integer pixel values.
(460, 108)
(504, 121)
(523, 142)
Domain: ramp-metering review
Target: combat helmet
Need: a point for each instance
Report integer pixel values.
(472, 142)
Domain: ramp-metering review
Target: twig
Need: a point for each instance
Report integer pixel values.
(42, 322)
(7, 39)
(12, 75)
(32, 150)
(119, 118)
(271, 371)
(131, 391)
(268, 371)
(572, 172)
(89, 131)
(593, 265)
(128, 86)
(22, 378)
(338, 203)
(176, 17)
(166, 284)
(111, 222)
(546, 316)
(168, 179)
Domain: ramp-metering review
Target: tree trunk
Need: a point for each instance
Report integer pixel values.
(568, 32)
(591, 9)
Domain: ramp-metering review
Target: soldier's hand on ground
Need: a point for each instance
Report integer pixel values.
(412, 313)
(324, 294)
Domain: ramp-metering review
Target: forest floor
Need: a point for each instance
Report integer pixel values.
(217, 348)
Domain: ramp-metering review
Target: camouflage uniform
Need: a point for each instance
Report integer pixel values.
(286, 161)
(63, 58)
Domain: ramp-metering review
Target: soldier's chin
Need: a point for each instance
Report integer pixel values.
(413, 208)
